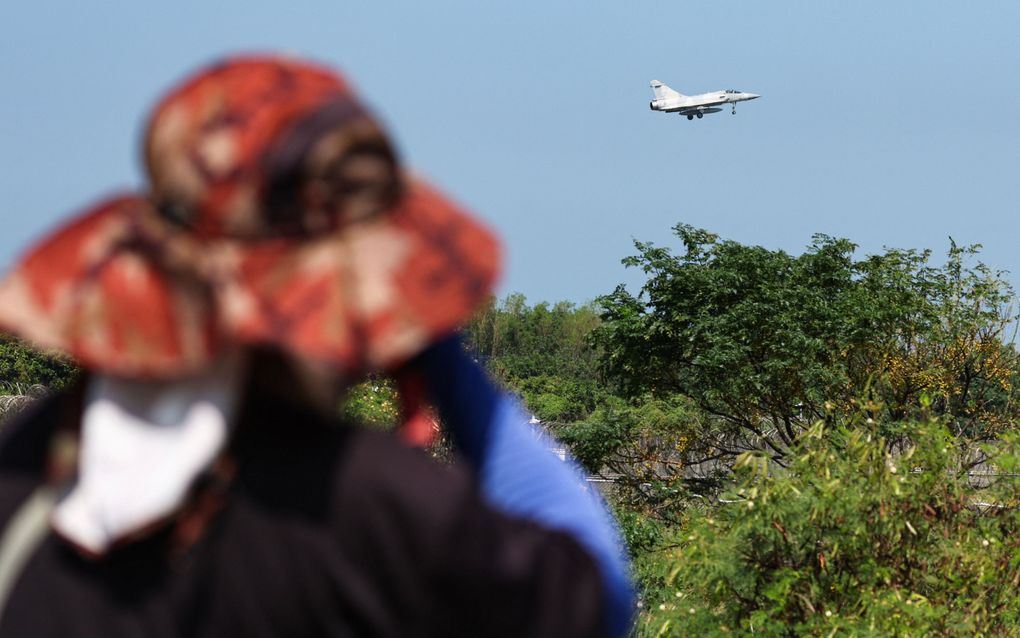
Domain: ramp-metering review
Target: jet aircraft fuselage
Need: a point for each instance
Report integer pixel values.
(670, 101)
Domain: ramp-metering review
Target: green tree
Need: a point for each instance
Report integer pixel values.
(767, 343)
(645, 448)
(854, 538)
(540, 352)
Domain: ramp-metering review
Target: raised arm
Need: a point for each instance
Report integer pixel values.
(518, 473)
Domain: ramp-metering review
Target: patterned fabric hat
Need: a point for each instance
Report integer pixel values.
(277, 213)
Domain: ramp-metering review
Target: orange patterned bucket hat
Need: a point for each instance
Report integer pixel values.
(277, 213)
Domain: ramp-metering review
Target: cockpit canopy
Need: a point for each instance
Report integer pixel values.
(732, 91)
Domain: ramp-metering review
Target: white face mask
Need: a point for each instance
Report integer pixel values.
(143, 444)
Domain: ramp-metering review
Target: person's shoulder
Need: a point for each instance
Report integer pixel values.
(486, 572)
(25, 438)
(293, 459)
(378, 466)
(25, 446)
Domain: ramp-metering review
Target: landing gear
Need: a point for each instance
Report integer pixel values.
(701, 115)
(690, 117)
(734, 111)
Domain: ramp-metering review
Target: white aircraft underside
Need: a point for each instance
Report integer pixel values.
(670, 101)
(694, 111)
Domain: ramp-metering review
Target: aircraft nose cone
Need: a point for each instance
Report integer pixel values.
(753, 96)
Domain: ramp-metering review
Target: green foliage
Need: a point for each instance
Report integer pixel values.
(643, 446)
(650, 542)
(952, 346)
(540, 352)
(843, 517)
(857, 537)
(373, 402)
(763, 340)
(22, 367)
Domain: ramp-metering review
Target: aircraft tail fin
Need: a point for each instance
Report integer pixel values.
(662, 91)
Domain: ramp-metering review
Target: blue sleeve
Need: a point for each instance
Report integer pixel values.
(518, 472)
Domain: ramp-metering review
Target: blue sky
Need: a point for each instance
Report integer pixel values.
(892, 124)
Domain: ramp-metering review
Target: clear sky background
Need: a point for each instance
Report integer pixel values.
(889, 123)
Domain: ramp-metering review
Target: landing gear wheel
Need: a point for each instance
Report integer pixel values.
(734, 111)
(690, 117)
(701, 115)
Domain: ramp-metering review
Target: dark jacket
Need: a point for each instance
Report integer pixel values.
(322, 530)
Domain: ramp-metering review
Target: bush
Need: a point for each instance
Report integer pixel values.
(373, 402)
(22, 367)
(855, 538)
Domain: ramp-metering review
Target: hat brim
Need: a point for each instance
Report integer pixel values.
(125, 293)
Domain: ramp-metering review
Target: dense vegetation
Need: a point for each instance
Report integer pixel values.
(767, 343)
(800, 445)
(21, 368)
(26, 374)
(816, 444)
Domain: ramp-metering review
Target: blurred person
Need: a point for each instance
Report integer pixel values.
(196, 481)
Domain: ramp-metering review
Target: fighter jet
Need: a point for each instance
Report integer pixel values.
(670, 101)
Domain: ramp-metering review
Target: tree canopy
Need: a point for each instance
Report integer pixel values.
(540, 352)
(768, 342)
